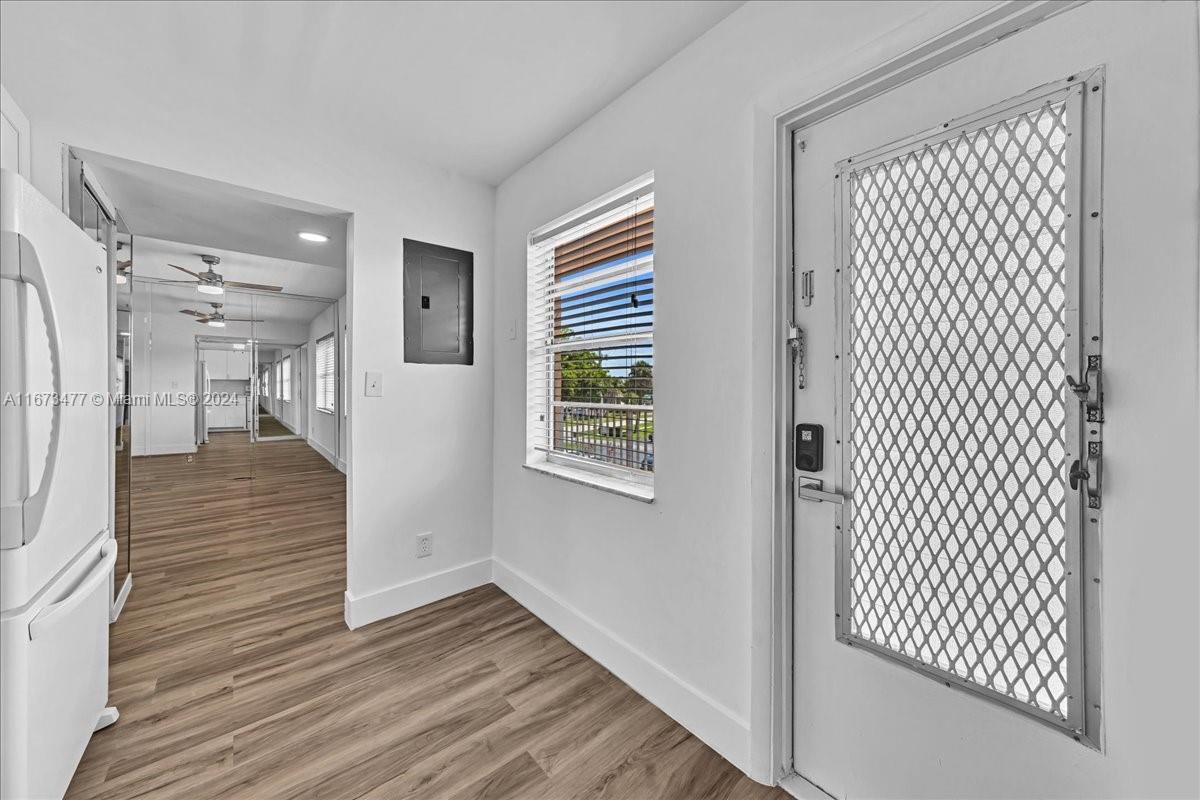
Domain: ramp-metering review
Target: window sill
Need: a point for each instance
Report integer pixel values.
(635, 491)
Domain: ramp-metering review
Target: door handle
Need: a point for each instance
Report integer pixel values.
(51, 614)
(810, 489)
(19, 264)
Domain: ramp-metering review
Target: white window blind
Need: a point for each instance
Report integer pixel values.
(590, 327)
(287, 378)
(326, 385)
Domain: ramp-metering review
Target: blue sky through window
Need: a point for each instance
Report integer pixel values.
(623, 305)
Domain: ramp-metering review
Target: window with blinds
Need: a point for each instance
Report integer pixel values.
(278, 380)
(326, 385)
(287, 379)
(590, 325)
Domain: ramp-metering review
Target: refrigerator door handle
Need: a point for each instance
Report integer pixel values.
(22, 518)
(51, 614)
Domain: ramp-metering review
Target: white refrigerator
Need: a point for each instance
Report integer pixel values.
(56, 552)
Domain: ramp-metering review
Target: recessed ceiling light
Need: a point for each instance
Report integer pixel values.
(310, 236)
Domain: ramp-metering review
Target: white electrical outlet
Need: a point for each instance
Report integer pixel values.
(424, 545)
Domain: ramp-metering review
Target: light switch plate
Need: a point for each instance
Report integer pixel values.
(374, 386)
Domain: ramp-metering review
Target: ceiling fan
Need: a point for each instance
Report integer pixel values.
(214, 318)
(211, 282)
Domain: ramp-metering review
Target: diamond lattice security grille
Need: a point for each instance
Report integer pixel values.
(957, 417)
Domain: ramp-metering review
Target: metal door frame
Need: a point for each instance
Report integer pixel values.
(772, 702)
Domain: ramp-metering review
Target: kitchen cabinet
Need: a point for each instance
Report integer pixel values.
(228, 416)
(238, 365)
(228, 365)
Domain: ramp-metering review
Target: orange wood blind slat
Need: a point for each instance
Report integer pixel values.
(622, 238)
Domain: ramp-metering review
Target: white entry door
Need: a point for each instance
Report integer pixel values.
(948, 530)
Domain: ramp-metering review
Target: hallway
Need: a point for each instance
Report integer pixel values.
(236, 676)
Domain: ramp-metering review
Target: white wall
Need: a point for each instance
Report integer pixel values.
(662, 593)
(672, 579)
(421, 454)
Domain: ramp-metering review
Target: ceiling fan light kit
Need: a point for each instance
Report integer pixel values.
(212, 282)
(215, 318)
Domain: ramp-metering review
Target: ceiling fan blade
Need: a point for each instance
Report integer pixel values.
(241, 319)
(193, 313)
(125, 264)
(260, 286)
(188, 271)
(202, 321)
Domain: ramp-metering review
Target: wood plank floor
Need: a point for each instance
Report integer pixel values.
(236, 676)
(271, 426)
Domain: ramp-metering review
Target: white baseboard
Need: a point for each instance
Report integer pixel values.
(325, 452)
(711, 722)
(802, 789)
(328, 455)
(415, 593)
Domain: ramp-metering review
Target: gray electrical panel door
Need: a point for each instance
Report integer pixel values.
(438, 300)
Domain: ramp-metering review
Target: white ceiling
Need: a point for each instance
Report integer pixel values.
(178, 207)
(151, 258)
(477, 87)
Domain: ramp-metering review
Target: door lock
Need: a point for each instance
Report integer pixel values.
(1090, 390)
(1077, 474)
(796, 342)
(1088, 475)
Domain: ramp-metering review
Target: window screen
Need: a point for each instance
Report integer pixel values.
(326, 384)
(959, 553)
(287, 378)
(591, 336)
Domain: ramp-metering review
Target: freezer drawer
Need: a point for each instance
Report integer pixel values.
(54, 678)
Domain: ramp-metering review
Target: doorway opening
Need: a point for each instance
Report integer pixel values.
(218, 305)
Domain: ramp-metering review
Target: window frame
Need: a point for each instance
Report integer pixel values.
(323, 379)
(286, 372)
(541, 456)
